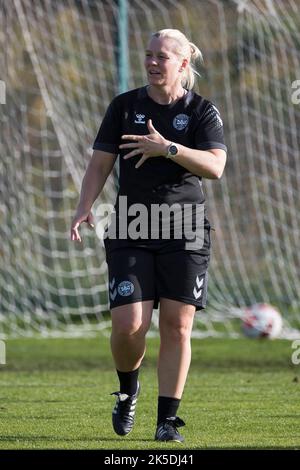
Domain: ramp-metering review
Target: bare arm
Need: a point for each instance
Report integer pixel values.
(97, 172)
(207, 163)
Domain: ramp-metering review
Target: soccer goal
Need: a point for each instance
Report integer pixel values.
(62, 63)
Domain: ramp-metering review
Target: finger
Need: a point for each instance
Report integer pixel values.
(151, 127)
(132, 154)
(132, 137)
(75, 238)
(128, 146)
(90, 220)
(75, 235)
(141, 161)
(74, 230)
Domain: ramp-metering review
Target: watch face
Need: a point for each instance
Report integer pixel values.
(173, 150)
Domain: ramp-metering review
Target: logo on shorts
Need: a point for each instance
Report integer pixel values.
(125, 288)
(112, 289)
(180, 121)
(198, 288)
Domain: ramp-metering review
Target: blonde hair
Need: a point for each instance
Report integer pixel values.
(186, 49)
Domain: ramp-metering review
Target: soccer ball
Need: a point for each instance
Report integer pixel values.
(262, 321)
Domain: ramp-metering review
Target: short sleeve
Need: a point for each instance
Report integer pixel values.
(109, 134)
(209, 132)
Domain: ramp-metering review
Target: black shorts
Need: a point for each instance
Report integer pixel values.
(138, 274)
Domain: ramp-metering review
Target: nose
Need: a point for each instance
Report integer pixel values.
(151, 61)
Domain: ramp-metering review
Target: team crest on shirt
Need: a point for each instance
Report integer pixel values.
(139, 118)
(180, 121)
(125, 288)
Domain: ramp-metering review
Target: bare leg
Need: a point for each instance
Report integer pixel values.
(130, 324)
(176, 321)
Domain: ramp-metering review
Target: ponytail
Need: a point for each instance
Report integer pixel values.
(196, 59)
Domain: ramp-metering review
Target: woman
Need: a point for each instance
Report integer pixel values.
(168, 138)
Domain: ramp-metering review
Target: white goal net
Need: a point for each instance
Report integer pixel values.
(59, 71)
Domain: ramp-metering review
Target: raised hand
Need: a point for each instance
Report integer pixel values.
(151, 145)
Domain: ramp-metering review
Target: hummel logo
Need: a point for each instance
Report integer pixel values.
(140, 119)
(112, 291)
(197, 293)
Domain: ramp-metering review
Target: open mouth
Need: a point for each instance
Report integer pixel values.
(152, 73)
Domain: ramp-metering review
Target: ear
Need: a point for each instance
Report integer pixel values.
(184, 63)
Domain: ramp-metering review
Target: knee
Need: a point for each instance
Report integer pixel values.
(129, 328)
(176, 332)
(131, 320)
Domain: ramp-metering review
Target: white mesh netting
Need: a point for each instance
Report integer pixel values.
(59, 65)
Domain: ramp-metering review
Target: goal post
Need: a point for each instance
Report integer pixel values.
(60, 70)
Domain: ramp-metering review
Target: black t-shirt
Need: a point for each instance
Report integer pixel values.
(191, 121)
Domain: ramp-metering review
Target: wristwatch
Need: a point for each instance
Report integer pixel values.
(172, 150)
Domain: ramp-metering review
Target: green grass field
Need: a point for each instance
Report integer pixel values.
(240, 394)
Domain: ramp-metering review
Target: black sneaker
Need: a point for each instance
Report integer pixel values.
(124, 411)
(167, 430)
